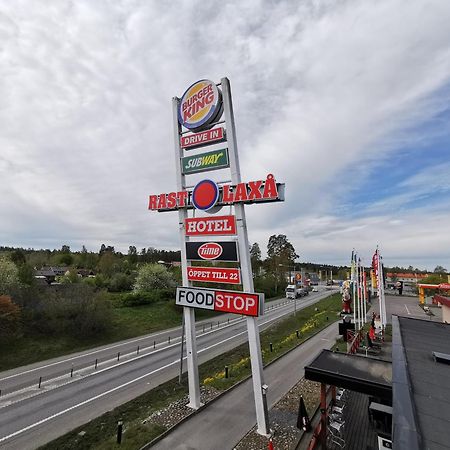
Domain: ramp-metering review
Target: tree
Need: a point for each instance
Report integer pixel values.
(108, 263)
(279, 247)
(255, 256)
(18, 257)
(280, 258)
(66, 259)
(132, 254)
(439, 269)
(153, 276)
(9, 276)
(9, 317)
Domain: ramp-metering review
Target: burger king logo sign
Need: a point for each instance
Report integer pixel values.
(200, 106)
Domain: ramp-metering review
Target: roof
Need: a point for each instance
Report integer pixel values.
(358, 373)
(442, 300)
(406, 275)
(421, 383)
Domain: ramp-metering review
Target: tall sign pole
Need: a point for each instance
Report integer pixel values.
(188, 313)
(247, 279)
(197, 124)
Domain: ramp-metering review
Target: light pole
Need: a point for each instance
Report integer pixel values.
(292, 280)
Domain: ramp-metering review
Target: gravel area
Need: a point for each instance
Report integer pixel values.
(178, 410)
(283, 419)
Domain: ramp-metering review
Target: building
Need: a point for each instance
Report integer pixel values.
(411, 393)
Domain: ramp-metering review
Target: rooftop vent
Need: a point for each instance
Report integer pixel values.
(443, 358)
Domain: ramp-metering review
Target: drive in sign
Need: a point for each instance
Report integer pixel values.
(247, 304)
(214, 274)
(210, 226)
(212, 251)
(203, 138)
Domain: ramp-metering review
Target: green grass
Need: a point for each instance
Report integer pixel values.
(100, 433)
(128, 322)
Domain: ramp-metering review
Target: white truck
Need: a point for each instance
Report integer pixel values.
(293, 291)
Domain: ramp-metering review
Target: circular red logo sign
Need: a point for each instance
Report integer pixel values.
(205, 195)
(210, 250)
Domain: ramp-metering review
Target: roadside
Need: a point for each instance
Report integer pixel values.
(139, 415)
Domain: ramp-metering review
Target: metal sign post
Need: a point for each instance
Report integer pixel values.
(188, 313)
(246, 268)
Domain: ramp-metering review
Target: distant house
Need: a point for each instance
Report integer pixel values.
(50, 273)
(86, 273)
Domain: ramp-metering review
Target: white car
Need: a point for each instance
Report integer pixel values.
(314, 289)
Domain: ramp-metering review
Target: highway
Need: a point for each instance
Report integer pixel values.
(73, 391)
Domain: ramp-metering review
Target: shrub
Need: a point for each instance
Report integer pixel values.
(153, 276)
(120, 282)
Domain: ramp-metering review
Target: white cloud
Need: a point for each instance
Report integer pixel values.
(85, 117)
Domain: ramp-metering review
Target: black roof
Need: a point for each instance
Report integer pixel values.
(421, 383)
(357, 373)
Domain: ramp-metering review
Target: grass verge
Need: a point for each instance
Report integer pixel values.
(100, 433)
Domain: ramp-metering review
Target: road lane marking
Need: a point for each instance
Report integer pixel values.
(85, 402)
(407, 310)
(100, 350)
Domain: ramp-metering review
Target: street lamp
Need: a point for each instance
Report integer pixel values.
(292, 280)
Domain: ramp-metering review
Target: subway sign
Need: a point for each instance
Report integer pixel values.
(214, 274)
(217, 159)
(234, 302)
(210, 226)
(212, 251)
(207, 194)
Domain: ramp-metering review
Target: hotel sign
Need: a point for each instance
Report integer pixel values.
(210, 226)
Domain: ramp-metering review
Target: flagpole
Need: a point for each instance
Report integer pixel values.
(382, 291)
(357, 293)
(352, 278)
(364, 294)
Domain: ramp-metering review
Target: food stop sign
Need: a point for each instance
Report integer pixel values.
(234, 302)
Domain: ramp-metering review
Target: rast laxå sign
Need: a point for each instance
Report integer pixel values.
(210, 194)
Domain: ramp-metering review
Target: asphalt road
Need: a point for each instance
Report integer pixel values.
(223, 423)
(30, 417)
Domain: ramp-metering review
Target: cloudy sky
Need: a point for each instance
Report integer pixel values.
(347, 102)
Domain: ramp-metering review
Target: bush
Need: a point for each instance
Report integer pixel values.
(147, 298)
(9, 317)
(120, 282)
(72, 309)
(153, 276)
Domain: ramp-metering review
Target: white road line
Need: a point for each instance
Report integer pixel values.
(91, 353)
(89, 400)
(80, 356)
(407, 310)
